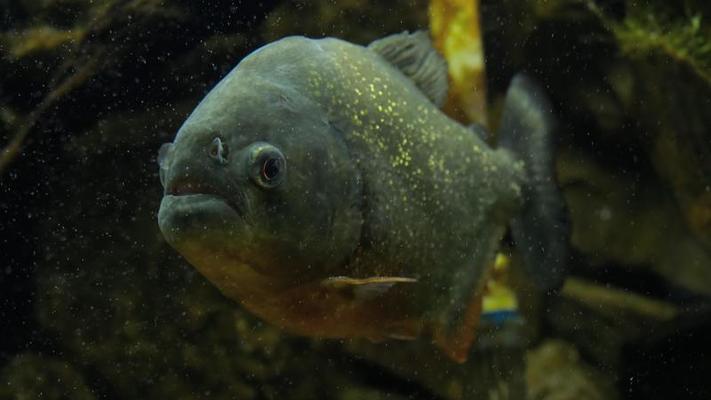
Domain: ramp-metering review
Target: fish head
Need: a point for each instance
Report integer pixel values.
(258, 177)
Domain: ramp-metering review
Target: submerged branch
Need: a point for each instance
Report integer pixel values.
(12, 149)
(602, 297)
(70, 75)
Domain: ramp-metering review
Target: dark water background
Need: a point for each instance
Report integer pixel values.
(94, 305)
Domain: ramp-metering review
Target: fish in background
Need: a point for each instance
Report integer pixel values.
(320, 186)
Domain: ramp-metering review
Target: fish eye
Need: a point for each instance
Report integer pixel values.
(268, 165)
(271, 169)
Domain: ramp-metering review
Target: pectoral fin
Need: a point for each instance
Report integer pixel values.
(366, 288)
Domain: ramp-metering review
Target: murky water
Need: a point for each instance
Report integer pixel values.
(95, 304)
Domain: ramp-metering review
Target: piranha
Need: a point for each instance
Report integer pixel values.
(320, 186)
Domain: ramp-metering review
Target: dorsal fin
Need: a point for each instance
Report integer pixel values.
(414, 55)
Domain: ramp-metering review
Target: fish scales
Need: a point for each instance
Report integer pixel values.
(433, 187)
(320, 186)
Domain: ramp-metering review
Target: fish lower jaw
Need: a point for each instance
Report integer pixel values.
(195, 216)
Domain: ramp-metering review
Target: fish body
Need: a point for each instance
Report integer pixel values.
(320, 186)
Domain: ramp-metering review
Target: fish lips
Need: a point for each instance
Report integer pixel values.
(190, 211)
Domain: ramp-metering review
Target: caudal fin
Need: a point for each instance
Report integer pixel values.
(541, 230)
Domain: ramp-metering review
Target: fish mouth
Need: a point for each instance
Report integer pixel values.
(187, 189)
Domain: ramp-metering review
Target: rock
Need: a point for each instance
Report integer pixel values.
(602, 320)
(555, 371)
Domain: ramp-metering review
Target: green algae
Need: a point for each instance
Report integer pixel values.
(650, 28)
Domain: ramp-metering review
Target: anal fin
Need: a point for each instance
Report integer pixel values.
(456, 342)
(457, 317)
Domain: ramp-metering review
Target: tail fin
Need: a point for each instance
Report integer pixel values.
(541, 230)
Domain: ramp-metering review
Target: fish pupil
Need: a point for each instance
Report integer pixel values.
(271, 169)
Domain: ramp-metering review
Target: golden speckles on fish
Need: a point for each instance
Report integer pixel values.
(337, 200)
